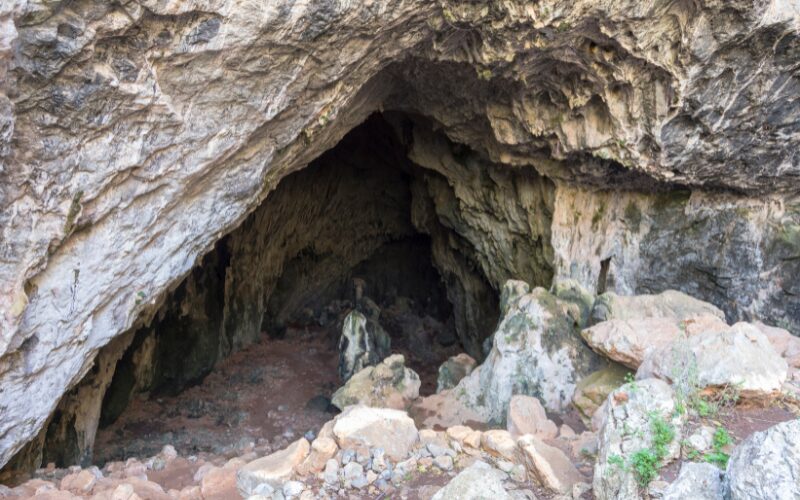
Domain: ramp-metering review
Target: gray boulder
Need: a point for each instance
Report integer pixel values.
(668, 304)
(696, 481)
(388, 384)
(766, 465)
(479, 481)
(537, 351)
(739, 356)
(363, 343)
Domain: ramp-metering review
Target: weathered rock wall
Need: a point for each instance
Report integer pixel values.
(741, 254)
(134, 135)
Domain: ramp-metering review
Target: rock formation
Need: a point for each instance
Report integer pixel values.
(630, 146)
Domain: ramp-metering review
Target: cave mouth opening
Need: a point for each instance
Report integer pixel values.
(245, 349)
(265, 308)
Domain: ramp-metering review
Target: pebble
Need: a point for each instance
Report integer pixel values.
(444, 462)
(293, 488)
(331, 474)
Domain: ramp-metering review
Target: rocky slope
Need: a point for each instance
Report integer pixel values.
(659, 138)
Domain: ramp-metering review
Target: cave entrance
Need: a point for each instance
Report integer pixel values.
(245, 349)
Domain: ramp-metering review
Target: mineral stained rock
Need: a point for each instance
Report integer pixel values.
(134, 135)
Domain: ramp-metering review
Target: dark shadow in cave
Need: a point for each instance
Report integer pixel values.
(284, 278)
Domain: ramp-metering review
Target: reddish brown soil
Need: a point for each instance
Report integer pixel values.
(260, 393)
(269, 393)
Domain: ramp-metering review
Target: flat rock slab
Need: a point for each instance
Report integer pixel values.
(361, 426)
(549, 465)
(274, 469)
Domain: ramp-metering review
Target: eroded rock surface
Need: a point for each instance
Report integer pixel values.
(766, 465)
(133, 136)
(631, 414)
(388, 384)
(537, 351)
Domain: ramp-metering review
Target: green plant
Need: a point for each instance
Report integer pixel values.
(646, 462)
(717, 456)
(631, 381)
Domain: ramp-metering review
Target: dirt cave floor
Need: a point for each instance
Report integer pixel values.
(270, 394)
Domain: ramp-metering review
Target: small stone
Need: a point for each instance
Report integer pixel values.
(331, 474)
(444, 462)
(504, 465)
(438, 451)
(702, 439)
(404, 469)
(169, 453)
(322, 449)
(371, 476)
(293, 488)
(499, 443)
(566, 432)
(273, 469)
(353, 474)
(518, 473)
(81, 482)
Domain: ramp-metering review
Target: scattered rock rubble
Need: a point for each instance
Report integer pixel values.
(510, 443)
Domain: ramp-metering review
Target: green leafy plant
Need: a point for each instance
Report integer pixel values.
(646, 462)
(717, 456)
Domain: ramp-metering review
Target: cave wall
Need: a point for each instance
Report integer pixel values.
(739, 253)
(134, 135)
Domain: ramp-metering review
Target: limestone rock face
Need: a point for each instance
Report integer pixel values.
(133, 136)
(388, 384)
(766, 465)
(363, 343)
(628, 428)
(537, 351)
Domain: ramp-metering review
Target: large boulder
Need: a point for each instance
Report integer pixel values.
(363, 343)
(364, 427)
(668, 304)
(536, 351)
(766, 465)
(388, 384)
(479, 481)
(739, 357)
(634, 414)
(452, 371)
(630, 341)
(784, 343)
(696, 481)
